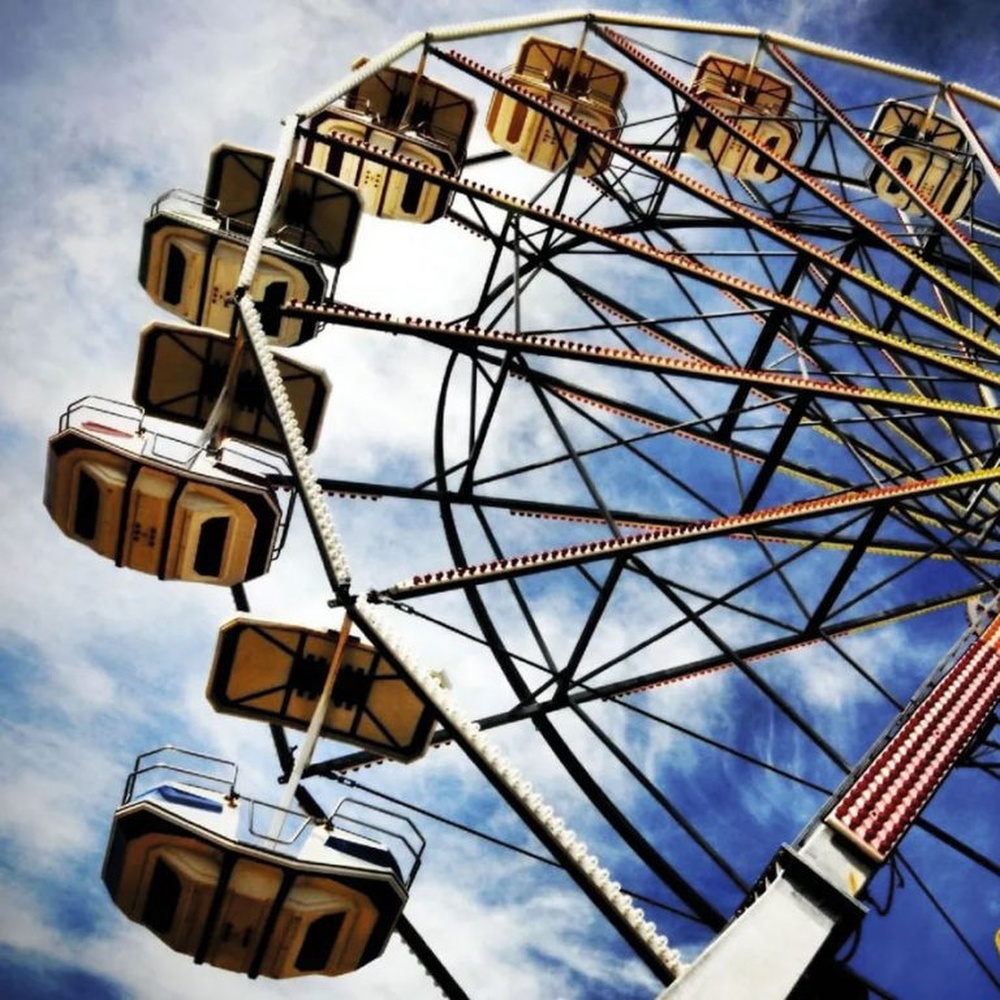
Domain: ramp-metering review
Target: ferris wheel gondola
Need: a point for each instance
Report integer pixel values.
(391, 120)
(183, 371)
(759, 104)
(158, 504)
(275, 673)
(927, 150)
(191, 261)
(569, 79)
(248, 887)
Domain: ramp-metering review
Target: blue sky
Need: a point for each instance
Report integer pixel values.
(106, 105)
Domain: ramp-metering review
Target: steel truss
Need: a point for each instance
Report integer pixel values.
(711, 480)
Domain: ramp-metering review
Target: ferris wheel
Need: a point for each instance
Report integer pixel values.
(690, 490)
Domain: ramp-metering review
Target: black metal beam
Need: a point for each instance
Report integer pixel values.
(427, 957)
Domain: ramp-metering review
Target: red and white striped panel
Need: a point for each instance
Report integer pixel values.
(885, 800)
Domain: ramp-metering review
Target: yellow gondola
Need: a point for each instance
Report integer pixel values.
(756, 102)
(248, 887)
(181, 371)
(274, 673)
(929, 152)
(155, 504)
(570, 80)
(396, 115)
(190, 264)
(314, 213)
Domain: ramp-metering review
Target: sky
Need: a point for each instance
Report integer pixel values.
(106, 105)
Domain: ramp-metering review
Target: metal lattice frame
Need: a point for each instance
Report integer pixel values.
(742, 428)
